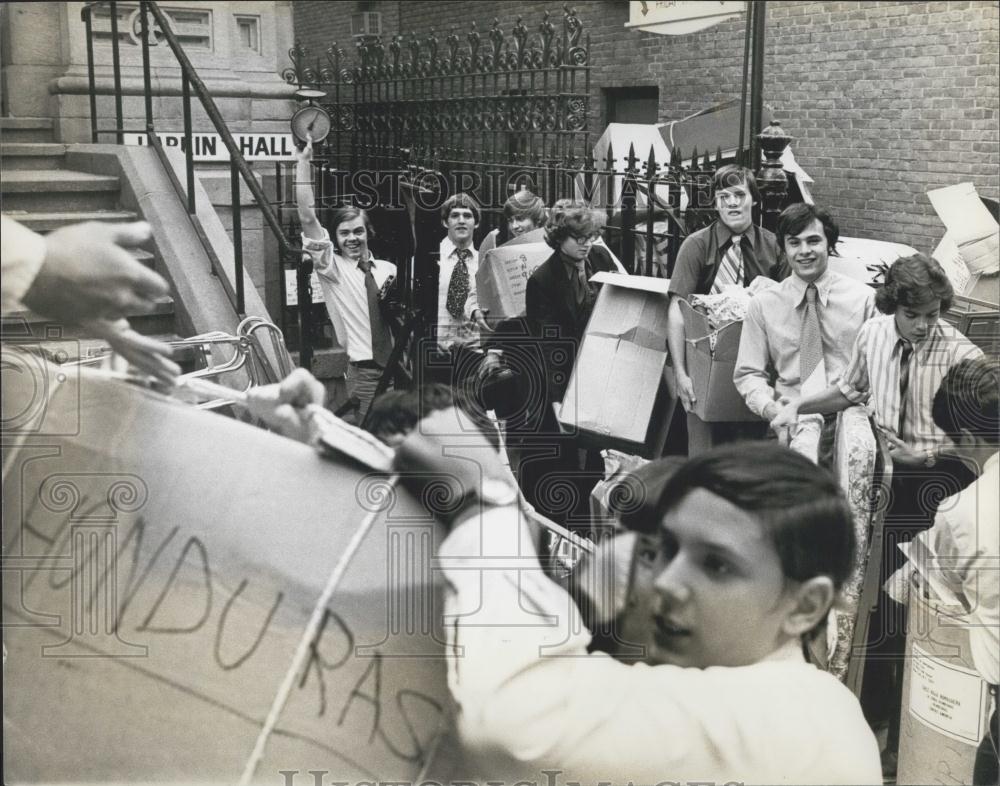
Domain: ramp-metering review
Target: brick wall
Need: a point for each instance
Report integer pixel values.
(885, 100)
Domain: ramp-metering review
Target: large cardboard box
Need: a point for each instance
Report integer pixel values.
(711, 360)
(502, 277)
(615, 397)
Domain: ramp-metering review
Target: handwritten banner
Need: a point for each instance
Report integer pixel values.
(160, 565)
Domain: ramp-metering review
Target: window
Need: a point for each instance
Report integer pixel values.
(248, 28)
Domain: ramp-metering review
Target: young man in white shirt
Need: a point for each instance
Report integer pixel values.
(748, 551)
(804, 328)
(460, 321)
(965, 535)
(354, 285)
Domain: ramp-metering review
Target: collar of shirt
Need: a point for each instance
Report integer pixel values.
(724, 234)
(573, 267)
(823, 284)
(350, 263)
(448, 249)
(933, 335)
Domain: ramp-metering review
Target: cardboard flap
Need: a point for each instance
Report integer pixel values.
(620, 311)
(645, 283)
(695, 323)
(727, 341)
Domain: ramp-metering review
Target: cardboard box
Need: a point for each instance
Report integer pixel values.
(502, 278)
(970, 249)
(615, 397)
(711, 360)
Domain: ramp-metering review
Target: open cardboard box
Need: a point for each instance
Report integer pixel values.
(970, 249)
(711, 360)
(616, 397)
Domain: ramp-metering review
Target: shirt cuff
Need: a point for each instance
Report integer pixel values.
(23, 255)
(852, 395)
(757, 398)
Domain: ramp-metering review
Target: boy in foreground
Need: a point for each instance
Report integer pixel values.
(752, 548)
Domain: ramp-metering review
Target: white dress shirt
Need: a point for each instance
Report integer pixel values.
(773, 326)
(450, 330)
(346, 296)
(966, 539)
(526, 686)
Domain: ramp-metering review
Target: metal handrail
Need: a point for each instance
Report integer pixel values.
(190, 81)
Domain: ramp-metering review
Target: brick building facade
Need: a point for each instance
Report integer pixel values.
(885, 99)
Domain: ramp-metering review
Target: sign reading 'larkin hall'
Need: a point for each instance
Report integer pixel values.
(676, 17)
(209, 147)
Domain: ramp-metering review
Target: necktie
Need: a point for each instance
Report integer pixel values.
(905, 355)
(730, 270)
(810, 340)
(458, 286)
(579, 275)
(381, 340)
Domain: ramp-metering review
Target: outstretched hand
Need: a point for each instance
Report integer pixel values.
(143, 352)
(88, 274)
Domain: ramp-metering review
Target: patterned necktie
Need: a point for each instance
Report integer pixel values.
(810, 340)
(381, 340)
(458, 286)
(730, 270)
(905, 355)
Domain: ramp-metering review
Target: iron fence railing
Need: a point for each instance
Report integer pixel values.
(149, 34)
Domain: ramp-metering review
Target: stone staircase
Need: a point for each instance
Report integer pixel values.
(39, 190)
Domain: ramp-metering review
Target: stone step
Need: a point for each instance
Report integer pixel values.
(47, 189)
(47, 221)
(32, 155)
(26, 129)
(26, 327)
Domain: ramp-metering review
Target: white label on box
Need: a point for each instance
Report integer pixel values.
(948, 698)
(950, 258)
(292, 288)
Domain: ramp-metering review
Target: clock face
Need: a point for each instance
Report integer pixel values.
(311, 120)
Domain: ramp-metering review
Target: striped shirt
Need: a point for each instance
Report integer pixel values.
(873, 376)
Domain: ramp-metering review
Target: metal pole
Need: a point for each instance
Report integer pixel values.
(740, 152)
(147, 82)
(189, 152)
(116, 65)
(234, 177)
(88, 27)
(757, 87)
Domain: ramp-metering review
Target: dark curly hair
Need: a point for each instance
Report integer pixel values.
(969, 399)
(914, 281)
(576, 220)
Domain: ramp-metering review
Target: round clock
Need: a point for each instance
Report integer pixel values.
(313, 121)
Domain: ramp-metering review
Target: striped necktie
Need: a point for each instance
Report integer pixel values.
(731, 268)
(905, 355)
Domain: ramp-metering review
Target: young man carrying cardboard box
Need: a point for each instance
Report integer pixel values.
(732, 251)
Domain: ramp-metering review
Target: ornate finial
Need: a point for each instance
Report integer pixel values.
(295, 74)
(395, 50)
(452, 43)
(432, 52)
(496, 39)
